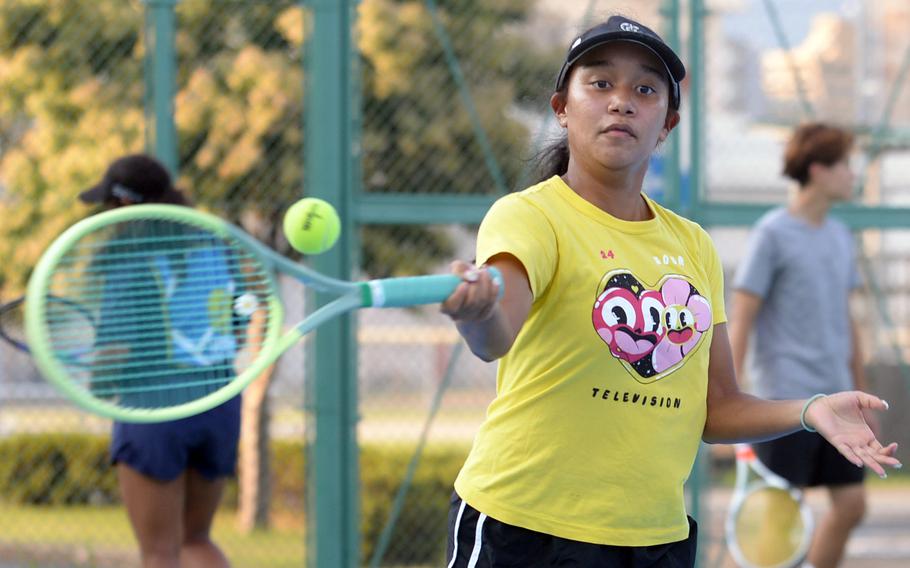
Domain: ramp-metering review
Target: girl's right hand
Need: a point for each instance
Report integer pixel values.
(475, 298)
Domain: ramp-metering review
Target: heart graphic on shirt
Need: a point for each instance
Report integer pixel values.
(650, 330)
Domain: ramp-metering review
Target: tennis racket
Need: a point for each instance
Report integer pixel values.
(768, 523)
(185, 307)
(12, 326)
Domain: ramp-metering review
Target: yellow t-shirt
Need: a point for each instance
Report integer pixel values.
(600, 403)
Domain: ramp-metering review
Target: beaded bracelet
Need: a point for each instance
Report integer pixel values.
(802, 415)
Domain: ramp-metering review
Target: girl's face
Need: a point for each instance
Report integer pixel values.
(615, 107)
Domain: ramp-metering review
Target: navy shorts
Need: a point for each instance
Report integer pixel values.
(206, 442)
(478, 541)
(805, 459)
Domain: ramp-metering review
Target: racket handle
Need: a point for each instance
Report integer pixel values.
(417, 290)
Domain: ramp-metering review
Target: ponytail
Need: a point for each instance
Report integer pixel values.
(552, 160)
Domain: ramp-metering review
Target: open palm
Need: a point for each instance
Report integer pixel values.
(839, 418)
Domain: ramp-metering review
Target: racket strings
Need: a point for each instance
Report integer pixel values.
(769, 528)
(173, 307)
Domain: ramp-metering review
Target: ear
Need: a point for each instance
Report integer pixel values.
(670, 122)
(558, 104)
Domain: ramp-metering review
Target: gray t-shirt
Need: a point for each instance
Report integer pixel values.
(804, 275)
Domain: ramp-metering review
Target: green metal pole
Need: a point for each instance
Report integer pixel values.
(672, 178)
(697, 14)
(333, 500)
(164, 70)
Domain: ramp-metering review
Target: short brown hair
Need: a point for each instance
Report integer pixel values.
(813, 143)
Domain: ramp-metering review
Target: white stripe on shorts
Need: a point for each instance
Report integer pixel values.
(455, 534)
(478, 541)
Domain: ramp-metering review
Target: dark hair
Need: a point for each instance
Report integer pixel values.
(176, 197)
(552, 160)
(814, 143)
(135, 178)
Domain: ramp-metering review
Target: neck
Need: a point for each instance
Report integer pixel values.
(617, 192)
(810, 204)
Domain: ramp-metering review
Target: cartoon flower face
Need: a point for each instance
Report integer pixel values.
(687, 315)
(650, 330)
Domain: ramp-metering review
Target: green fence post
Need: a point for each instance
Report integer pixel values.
(163, 83)
(333, 478)
(672, 178)
(691, 208)
(697, 103)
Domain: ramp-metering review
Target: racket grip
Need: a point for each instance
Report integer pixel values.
(417, 290)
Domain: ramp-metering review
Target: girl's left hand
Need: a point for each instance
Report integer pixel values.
(839, 418)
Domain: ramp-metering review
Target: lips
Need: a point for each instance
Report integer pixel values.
(620, 128)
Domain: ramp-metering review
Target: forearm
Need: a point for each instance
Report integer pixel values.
(488, 339)
(739, 417)
(857, 367)
(733, 416)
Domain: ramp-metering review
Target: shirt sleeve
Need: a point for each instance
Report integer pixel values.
(756, 271)
(516, 226)
(715, 271)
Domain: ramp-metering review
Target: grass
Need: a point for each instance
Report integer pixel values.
(99, 532)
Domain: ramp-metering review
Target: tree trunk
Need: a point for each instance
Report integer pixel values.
(253, 460)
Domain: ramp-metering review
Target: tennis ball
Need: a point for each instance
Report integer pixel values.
(311, 225)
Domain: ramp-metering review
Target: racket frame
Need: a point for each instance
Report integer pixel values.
(8, 307)
(746, 460)
(274, 343)
(387, 292)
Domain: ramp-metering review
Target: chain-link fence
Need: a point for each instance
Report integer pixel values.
(453, 99)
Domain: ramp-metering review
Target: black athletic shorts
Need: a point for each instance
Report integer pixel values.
(478, 541)
(805, 459)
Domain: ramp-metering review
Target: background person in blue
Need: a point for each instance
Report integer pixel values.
(172, 474)
(793, 290)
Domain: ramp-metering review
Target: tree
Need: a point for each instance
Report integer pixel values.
(67, 106)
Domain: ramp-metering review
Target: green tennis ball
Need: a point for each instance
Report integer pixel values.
(312, 225)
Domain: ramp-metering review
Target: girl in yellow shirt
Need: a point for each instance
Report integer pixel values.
(614, 360)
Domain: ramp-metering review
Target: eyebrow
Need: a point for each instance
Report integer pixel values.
(607, 63)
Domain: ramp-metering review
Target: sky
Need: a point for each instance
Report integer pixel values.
(753, 24)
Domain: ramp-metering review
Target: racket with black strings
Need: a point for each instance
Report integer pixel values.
(12, 326)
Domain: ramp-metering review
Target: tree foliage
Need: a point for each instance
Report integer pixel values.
(73, 97)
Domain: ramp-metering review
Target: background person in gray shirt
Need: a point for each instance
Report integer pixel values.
(793, 289)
